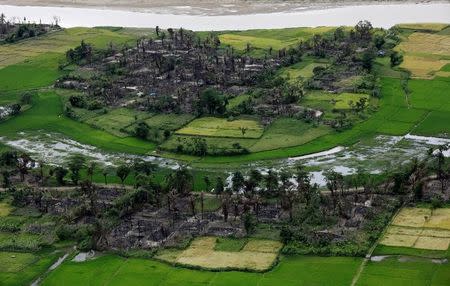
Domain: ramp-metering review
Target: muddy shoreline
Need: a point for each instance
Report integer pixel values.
(210, 7)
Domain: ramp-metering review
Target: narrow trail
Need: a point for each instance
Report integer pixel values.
(371, 250)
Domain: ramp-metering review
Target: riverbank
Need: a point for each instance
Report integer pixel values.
(210, 7)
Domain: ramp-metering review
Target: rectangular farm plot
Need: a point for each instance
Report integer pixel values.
(287, 132)
(412, 217)
(420, 228)
(257, 255)
(221, 127)
(15, 261)
(440, 219)
(425, 53)
(115, 121)
(404, 240)
(433, 243)
(422, 66)
(426, 43)
(328, 101)
(169, 121)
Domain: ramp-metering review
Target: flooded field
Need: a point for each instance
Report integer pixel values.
(375, 156)
(54, 149)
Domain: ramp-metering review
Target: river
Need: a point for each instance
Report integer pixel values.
(380, 15)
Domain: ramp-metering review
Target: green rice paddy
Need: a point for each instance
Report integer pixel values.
(114, 270)
(410, 271)
(221, 127)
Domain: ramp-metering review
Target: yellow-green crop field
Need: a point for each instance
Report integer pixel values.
(435, 27)
(420, 228)
(258, 255)
(5, 209)
(425, 53)
(221, 127)
(56, 43)
(265, 39)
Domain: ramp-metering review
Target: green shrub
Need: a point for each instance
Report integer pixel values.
(11, 223)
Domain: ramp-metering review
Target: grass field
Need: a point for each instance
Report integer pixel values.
(420, 228)
(328, 101)
(117, 120)
(407, 272)
(221, 127)
(15, 261)
(169, 121)
(46, 114)
(286, 132)
(21, 268)
(34, 64)
(25, 255)
(303, 69)
(235, 101)
(261, 40)
(58, 43)
(5, 209)
(291, 271)
(408, 251)
(229, 244)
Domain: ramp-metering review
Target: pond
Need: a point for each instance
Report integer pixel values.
(380, 15)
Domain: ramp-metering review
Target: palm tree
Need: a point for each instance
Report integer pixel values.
(202, 203)
(271, 180)
(439, 165)
(122, 172)
(23, 164)
(207, 183)
(162, 36)
(105, 172)
(334, 181)
(192, 203)
(225, 201)
(181, 181)
(91, 169)
(76, 163)
(238, 181)
(219, 186)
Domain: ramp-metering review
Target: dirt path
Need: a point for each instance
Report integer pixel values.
(371, 250)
